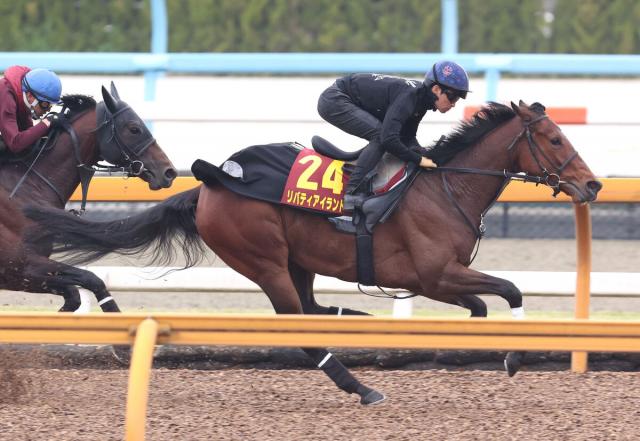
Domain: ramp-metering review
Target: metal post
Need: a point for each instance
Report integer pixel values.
(449, 40)
(159, 45)
(139, 373)
(492, 77)
(583, 277)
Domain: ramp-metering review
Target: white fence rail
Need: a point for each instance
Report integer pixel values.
(208, 279)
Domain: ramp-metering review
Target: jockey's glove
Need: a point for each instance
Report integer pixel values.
(55, 120)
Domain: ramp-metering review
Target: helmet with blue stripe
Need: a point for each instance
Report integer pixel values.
(450, 75)
(43, 84)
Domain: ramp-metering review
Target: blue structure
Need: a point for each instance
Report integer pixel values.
(159, 61)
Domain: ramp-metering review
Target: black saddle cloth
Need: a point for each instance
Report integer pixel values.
(259, 172)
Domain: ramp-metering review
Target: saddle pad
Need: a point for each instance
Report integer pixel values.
(284, 173)
(315, 182)
(289, 174)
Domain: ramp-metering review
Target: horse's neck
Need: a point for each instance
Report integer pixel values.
(475, 192)
(58, 166)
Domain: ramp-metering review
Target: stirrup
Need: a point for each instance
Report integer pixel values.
(351, 201)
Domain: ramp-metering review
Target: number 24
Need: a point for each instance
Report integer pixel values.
(331, 178)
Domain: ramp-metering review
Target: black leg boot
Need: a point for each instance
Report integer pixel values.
(355, 194)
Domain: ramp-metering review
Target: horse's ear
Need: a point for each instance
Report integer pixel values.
(515, 108)
(109, 101)
(114, 91)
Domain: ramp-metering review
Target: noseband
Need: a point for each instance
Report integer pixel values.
(122, 155)
(550, 179)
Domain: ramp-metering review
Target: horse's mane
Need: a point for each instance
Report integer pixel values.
(468, 133)
(78, 104)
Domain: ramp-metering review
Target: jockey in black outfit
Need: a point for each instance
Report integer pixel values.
(386, 110)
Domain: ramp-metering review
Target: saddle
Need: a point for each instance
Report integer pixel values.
(388, 182)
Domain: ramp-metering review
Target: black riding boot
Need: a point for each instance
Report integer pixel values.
(355, 193)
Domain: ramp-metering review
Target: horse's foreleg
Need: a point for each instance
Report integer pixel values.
(473, 303)
(458, 281)
(72, 299)
(462, 282)
(58, 277)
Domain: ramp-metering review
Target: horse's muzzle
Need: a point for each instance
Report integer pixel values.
(593, 187)
(162, 180)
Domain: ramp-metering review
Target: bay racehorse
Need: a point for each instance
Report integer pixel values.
(49, 174)
(425, 247)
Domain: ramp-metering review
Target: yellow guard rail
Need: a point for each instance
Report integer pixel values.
(304, 331)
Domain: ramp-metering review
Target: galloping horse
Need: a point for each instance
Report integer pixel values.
(50, 174)
(424, 247)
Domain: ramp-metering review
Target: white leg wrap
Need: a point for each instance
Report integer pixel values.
(105, 300)
(85, 302)
(517, 313)
(324, 360)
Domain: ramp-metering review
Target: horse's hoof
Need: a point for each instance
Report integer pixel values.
(122, 354)
(372, 398)
(513, 362)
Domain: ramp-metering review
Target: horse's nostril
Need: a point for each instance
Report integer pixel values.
(170, 174)
(594, 186)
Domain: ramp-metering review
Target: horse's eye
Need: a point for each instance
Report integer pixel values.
(135, 130)
(556, 141)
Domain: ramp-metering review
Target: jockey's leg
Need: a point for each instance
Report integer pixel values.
(368, 159)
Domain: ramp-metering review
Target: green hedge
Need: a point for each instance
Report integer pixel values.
(578, 26)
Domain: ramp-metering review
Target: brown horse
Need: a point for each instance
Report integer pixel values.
(424, 247)
(49, 175)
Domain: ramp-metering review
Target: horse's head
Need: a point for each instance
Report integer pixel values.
(542, 149)
(126, 141)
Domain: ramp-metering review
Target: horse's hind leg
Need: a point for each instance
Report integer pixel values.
(303, 281)
(285, 300)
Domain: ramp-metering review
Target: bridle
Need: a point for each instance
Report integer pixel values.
(551, 180)
(112, 148)
(123, 154)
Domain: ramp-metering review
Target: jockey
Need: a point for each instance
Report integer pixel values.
(386, 110)
(26, 94)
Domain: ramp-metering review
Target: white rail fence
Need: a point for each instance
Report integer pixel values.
(208, 279)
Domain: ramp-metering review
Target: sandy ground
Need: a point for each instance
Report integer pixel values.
(304, 405)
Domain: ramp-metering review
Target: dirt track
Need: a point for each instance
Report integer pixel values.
(245, 404)
(303, 405)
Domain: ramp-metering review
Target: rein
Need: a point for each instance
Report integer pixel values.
(548, 179)
(86, 172)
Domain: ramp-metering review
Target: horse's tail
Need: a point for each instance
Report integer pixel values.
(155, 233)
